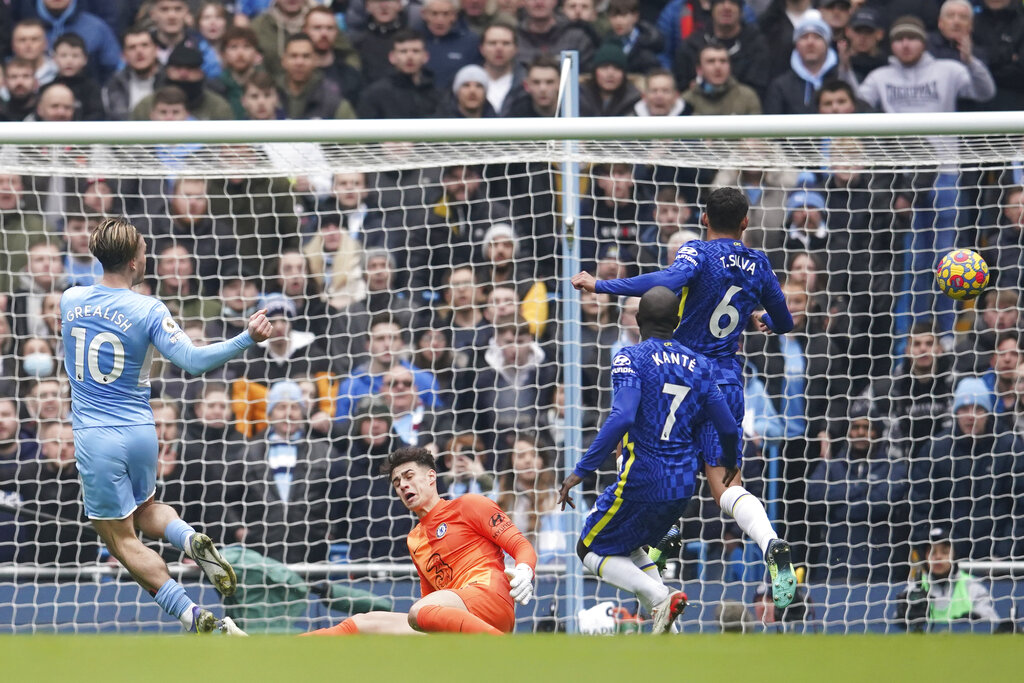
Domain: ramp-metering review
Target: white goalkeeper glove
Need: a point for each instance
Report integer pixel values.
(520, 582)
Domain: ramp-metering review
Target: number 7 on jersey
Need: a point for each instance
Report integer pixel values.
(678, 392)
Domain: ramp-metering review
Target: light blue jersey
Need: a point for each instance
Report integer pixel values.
(109, 335)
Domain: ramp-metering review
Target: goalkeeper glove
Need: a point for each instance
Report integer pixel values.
(520, 582)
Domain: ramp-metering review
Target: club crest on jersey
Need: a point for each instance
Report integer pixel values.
(442, 530)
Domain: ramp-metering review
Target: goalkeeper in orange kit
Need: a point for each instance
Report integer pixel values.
(458, 547)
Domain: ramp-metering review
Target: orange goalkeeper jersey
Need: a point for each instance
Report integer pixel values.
(460, 543)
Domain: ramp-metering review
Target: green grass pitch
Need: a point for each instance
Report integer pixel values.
(519, 659)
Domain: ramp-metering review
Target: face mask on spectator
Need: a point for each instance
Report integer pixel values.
(39, 364)
(193, 89)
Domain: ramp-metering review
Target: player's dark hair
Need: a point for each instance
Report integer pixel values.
(658, 312)
(834, 85)
(114, 243)
(420, 456)
(726, 209)
(71, 40)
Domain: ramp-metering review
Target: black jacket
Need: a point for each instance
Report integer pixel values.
(972, 486)
(1001, 34)
(292, 530)
(210, 455)
(396, 96)
(746, 53)
(790, 94)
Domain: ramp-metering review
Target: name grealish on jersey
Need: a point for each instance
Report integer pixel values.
(111, 314)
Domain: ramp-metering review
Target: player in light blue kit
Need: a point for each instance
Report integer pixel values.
(722, 282)
(663, 395)
(109, 334)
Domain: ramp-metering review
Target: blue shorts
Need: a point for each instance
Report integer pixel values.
(707, 440)
(618, 527)
(118, 468)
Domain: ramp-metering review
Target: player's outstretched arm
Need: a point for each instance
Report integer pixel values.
(675, 277)
(175, 345)
(625, 403)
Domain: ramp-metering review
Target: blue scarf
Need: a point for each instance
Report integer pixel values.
(282, 454)
(57, 24)
(812, 81)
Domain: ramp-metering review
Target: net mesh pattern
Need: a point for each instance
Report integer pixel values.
(417, 300)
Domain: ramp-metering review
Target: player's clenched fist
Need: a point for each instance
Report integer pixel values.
(520, 581)
(259, 327)
(584, 281)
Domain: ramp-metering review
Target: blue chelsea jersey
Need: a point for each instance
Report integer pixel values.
(729, 281)
(660, 454)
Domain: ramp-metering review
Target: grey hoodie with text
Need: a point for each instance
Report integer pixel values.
(930, 85)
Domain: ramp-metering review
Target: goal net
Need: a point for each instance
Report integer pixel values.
(418, 296)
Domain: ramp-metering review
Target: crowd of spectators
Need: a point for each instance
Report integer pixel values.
(419, 306)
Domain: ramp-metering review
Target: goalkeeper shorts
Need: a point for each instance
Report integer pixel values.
(118, 468)
(490, 602)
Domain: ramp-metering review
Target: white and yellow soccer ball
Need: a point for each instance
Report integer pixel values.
(962, 274)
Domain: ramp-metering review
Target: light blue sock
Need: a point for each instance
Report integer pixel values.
(178, 533)
(173, 599)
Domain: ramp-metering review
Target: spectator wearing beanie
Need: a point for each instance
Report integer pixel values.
(608, 92)
(811, 63)
(469, 96)
(284, 507)
(915, 81)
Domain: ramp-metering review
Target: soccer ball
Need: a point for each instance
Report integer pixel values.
(962, 274)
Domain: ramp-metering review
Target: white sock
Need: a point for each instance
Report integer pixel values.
(647, 566)
(620, 572)
(748, 512)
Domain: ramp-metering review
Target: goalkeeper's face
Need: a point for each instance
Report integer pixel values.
(415, 484)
